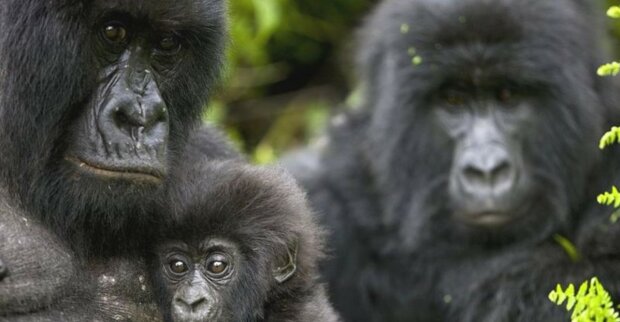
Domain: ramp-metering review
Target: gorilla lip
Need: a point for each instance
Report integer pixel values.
(127, 174)
(487, 218)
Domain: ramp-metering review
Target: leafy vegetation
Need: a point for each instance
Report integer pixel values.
(284, 75)
(611, 198)
(591, 303)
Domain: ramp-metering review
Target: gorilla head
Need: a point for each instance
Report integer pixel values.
(97, 99)
(492, 110)
(243, 247)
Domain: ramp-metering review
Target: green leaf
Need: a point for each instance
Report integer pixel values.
(610, 198)
(611, 69)
(609, 138)
(614, 12)
(268, 17)
(592, 303)
(404, 28)
(570, 250)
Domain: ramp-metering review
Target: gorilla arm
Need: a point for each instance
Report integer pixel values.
(32, 256)
(515, 286)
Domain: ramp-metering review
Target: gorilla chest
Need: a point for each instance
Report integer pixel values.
(123, 290)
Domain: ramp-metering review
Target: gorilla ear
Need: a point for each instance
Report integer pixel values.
(288, 266)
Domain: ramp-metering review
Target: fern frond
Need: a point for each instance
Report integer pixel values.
(591, 303)
(609, 138)
(611, 69)
(610, 198)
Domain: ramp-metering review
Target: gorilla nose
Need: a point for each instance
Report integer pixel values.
(487, 170)
(192, 304)
(145, 113)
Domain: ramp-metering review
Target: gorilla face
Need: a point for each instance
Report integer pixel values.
(488, 179)
(492, 134)
(123, 134)
(196, 279)
(98, 98)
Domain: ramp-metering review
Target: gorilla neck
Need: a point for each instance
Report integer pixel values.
(92, 220)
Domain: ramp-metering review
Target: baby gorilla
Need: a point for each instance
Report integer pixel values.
(243, 247)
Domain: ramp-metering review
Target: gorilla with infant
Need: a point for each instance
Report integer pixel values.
(98, 99)
(105, 174)
(474, 153)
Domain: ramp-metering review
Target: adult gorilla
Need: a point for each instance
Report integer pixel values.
(98, 99)
(475, 147)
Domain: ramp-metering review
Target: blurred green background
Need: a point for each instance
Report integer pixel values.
(289, 68)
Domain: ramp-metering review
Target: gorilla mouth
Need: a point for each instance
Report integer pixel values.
(487, 218)
(136, 174)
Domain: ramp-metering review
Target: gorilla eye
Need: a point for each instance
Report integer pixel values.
(178, 267)
(504, 95)
(454, 97)
(217, 265)
(169, 43)
(115, 33)
(455, 100)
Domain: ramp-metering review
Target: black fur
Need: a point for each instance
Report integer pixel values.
(382, 184)
(50, 73)
(262, 213)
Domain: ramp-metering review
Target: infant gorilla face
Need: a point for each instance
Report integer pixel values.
(201, 281)
(196, 278)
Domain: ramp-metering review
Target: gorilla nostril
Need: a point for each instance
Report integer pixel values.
(162, 115)
(198, 303)
(502, 172)
(473, 175)
(122, 119)
(140, 115)
(4, 271)
(192, 305)
(491, 175)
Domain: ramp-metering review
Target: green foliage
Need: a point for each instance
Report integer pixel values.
(282, 72)
(611, 69)
(568, 247)
(611, 137)
(614, 12)
(610, 198)
(591, 303)
(404, 28)
(309, 119)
